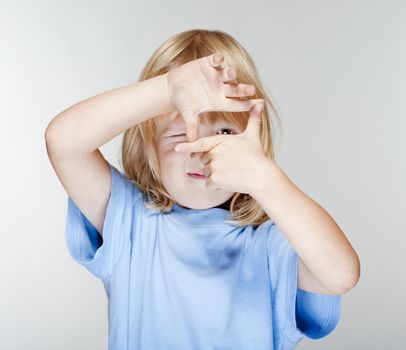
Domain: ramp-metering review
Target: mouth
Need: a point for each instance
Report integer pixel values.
(197, 176)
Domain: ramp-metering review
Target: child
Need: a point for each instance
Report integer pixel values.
(199, 248)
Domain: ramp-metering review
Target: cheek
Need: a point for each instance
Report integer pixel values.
(171, 161)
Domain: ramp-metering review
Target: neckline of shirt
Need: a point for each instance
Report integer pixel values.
(200, 217)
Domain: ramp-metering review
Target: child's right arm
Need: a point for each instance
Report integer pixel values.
(89, 124)
(74, 136)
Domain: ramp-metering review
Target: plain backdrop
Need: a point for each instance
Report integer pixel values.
(337, 71)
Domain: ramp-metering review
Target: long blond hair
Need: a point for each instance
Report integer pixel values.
(139, 155)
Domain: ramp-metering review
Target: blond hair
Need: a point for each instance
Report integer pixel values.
(139, 155)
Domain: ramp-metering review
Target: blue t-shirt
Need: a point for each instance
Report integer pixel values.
(186, 279)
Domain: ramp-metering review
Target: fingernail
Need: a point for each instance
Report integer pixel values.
(217, 58)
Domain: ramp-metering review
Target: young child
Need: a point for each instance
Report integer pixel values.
(210, 246)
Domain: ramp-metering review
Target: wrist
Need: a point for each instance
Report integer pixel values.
(168, 90)
(269, 178)
(165, 101)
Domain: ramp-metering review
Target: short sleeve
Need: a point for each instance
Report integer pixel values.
(297, 313)
(85, 244)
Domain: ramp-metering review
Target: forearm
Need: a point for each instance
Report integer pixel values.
(311, 231)
(89, 124)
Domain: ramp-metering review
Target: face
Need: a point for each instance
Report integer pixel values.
(188, 191)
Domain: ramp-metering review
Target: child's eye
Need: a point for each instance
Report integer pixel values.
(232, 131)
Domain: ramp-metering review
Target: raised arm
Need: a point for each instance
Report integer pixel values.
(73, 138)
(89, 124)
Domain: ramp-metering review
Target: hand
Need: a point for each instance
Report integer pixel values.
(198, 86)
(232, 162)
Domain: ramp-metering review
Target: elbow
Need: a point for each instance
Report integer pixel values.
(50, 130)
(350, 278)
(49, 134)
(347, 285)
(56, 143)
(50, 140)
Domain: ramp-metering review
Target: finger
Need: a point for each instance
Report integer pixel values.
(210, 184)
(239, 90)
(207, 171)
(204, 158)
(253, 127)
(229, 73)
(215, 59)
(235, 105)
(192, 125)
(204, 144)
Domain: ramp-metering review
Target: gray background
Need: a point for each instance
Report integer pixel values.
(337, 70)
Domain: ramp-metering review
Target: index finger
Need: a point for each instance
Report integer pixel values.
(204, 144)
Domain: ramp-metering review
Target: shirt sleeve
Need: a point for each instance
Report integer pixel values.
(297, 312)
(85, 244)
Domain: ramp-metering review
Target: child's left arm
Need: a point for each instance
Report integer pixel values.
(327, 262)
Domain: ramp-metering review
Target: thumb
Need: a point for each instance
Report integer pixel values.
(192, 125)
(255, 120)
